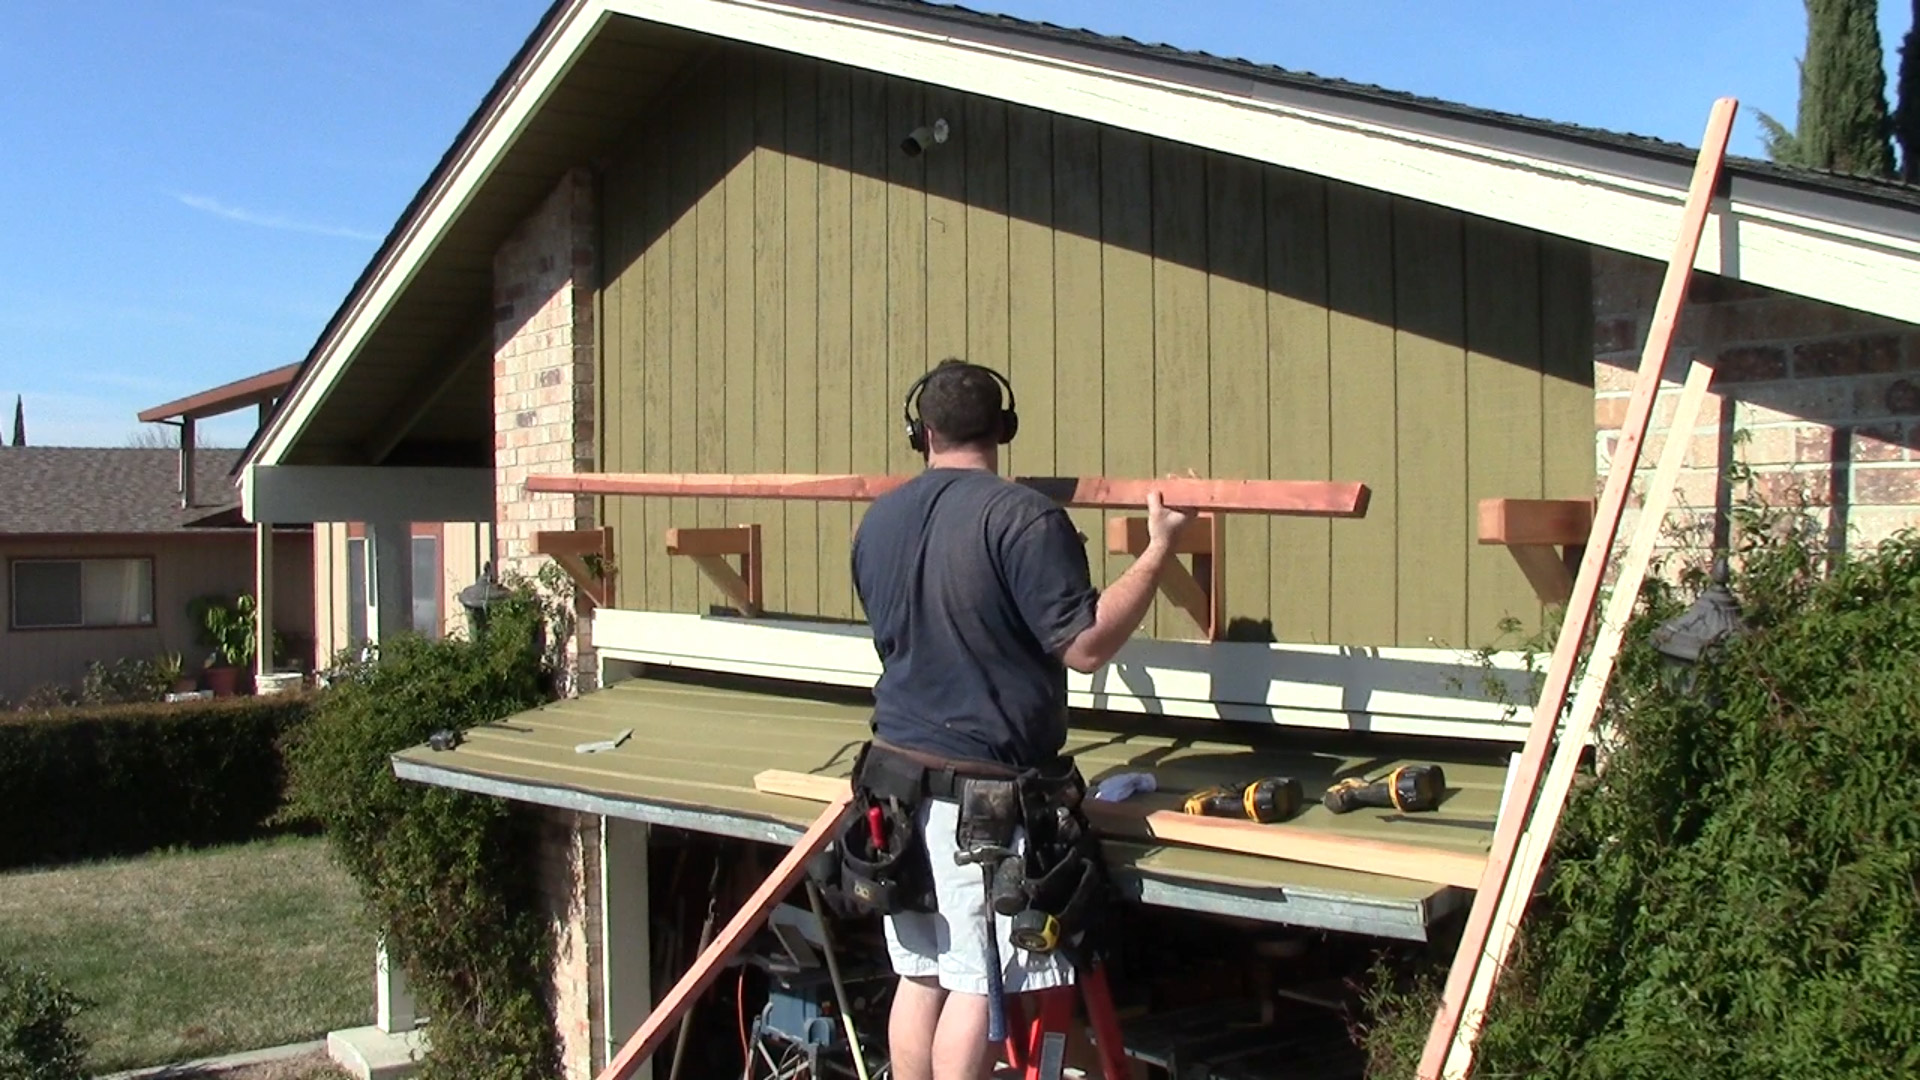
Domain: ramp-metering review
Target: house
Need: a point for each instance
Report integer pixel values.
(709, 236)
(102, 561)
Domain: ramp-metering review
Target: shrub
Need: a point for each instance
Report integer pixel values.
(119, 780)
(445, 874)
(37, 1041)
(128, 681)
(1739, 889)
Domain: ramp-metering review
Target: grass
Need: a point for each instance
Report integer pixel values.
(193, 954)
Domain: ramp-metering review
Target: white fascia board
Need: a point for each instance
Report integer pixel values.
(1405, 691)
(1769, 247)
(313, 494)
(437, 214)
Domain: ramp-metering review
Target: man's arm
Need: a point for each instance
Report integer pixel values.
(1125, 602)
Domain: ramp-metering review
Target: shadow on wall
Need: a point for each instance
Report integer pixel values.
(1821, 402)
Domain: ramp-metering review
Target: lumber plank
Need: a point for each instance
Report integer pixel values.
(1309, 498)
(1535, 521)
(725, 540)
(1579, 611)
(1128, 536)
(574, 542)
(659, 1024)
(1286, 842)
(1537, 839)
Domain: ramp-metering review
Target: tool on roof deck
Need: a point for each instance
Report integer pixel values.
(603, 744)
(1409, 788)
(1268, 799)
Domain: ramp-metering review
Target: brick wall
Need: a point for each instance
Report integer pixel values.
(1822, 402)
(543, 384)
(569, 882)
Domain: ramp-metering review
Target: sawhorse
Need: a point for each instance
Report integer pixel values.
(1042, 1054)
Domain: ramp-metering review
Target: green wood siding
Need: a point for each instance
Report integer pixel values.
(777, 273)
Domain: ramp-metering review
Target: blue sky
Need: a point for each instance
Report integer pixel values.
(188, 189)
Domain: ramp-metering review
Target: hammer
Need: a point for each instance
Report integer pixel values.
(985, 856)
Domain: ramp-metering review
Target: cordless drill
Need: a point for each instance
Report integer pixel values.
(1270, 798)
(1409, 788)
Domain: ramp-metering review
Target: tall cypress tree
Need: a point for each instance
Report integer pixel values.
(1843, 124)
(1906, 119)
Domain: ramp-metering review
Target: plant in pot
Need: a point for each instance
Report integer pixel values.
(228, 630)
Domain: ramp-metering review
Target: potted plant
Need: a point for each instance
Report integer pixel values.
(228, 630)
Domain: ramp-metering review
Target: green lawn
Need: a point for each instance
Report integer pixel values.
(191, 954)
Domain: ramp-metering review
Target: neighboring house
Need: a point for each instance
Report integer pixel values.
(686, 238)
(101, 561)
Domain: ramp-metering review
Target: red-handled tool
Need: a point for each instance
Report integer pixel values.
(873, 827)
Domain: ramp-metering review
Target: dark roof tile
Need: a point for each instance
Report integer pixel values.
(63, 490)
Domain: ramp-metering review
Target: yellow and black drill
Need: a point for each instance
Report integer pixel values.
(1408, 788)
(1270, 798)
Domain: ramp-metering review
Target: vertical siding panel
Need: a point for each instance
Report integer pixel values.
(1300, 415)
(1079, 319)
(1431, 379)
(803, 299)
(1126, 227)
(875, 429)
(684, 327)
(1361, 392)
(1030, 281)
(907, 265)
(946, 281)
(766, 384)
(836, 334)
(1238, 394)
(985, 127)
(1181, 364)
(1566, 392)
(632, 357)
(609, 366)
(711, 151)
(748, 294)
(1503, 411)
(661, 195)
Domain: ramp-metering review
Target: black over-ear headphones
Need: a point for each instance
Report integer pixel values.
(917, 428)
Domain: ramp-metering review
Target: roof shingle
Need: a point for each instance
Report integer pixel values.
(48, 490)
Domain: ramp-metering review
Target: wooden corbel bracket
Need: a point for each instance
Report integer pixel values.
(1200, 592)
(709, 548)
(587, 557)
(1548, 538)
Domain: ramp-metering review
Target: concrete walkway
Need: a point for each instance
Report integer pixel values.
(212, 1067)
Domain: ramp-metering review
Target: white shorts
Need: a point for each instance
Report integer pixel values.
(951, 945)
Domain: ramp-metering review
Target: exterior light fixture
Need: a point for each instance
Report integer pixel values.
(1712, 618)
(480, 596)
(920, 138)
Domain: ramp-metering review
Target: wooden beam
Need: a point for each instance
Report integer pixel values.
(1556, 522)
(1200, 592)
(745, 922)
(1537, 839)
(587, 557)
(1579, 612)
(708, 548)
(1288, 842)
(1304, 498)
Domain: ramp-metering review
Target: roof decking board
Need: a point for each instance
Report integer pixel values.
(697, 749)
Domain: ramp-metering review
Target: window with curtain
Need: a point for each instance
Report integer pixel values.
(50, 594)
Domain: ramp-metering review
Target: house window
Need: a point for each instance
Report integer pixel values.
(53, 594)
(426, 588)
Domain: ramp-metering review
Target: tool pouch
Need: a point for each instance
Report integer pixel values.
(989, 813)
(894, 875)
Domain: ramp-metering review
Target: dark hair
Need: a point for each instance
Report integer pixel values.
(961, 402)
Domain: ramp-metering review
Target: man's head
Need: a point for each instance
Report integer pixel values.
(959, 408)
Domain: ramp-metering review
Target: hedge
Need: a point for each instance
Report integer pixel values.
(124, 779)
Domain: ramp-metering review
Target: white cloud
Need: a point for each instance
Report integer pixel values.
(269, 221)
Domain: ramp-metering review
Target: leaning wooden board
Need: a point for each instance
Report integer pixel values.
(1221, 834)
(1309, 498)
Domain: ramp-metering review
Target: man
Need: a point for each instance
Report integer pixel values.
(978, 593)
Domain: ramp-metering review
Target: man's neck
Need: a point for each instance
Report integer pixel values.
(964, 457)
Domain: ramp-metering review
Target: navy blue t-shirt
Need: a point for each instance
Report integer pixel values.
(973, 586)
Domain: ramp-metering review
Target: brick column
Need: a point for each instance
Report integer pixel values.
(543, 405)
(1821, 401)
(543, 392)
